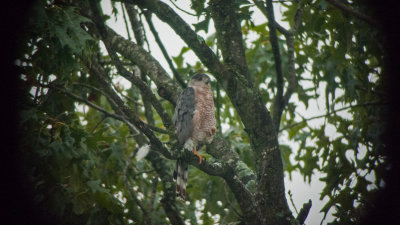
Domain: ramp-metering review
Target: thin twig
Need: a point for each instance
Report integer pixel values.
(291, 200)
(182, 10)
(144, 89)
(145, 37)
(125, 20)
(105, 112)
(97, 124)
(282, 99)
(138, 28)
(87, 102)
(329, 113)
(132, 119)
(297, 17)
(163, 50)
(103, 93)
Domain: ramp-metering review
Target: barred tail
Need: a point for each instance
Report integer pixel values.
(180, 175)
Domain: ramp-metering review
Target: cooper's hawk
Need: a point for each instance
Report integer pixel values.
(195, 123)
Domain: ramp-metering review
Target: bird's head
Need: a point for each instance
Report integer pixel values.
(200, 79)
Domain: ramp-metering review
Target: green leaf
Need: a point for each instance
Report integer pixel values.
(203, 25)
(295, 130)
(95, 186)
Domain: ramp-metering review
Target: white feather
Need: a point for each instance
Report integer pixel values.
(189, 145)
(143, 151)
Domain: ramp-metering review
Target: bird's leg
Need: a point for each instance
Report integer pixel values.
(198, 154)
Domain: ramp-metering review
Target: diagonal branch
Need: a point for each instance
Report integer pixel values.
(278, 100)
(167, 88)
(163, 50)
(145, 90)
(331, 112)
(291, 72)
(104, 111)
(281, 100)
(87, 102)
(125, 21)
(135, 24)
(353, 12)
(195, 42)
(230, 203)
(138, 29)
(260, 5)
(118, 105)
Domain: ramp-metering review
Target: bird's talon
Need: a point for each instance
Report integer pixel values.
(198, 155)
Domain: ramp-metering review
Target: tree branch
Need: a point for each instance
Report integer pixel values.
(353, 12)
(239, 177)
(167, 88)
(163, 50)
(139, 35)
(118, 105)
(260, 5)
(135, 24)
(125, 21)
(150, 125)
(182, 10)
(304, 212)
(145, 90)
(229, 35)
(105, 112)
(291, 74)
(278, 100)
(229, 202)
(195, 42)
(87, 102)
(281, 102)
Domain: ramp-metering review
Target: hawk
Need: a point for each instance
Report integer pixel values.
(195, 124)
